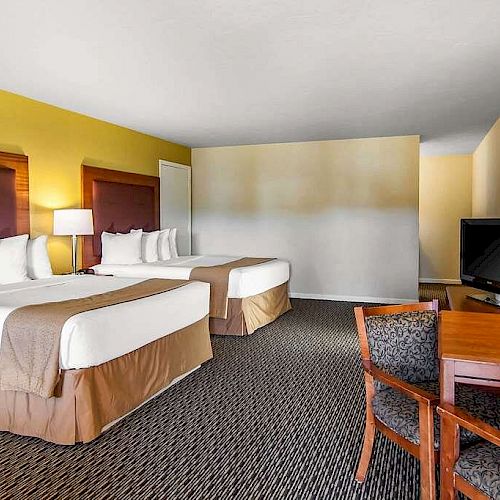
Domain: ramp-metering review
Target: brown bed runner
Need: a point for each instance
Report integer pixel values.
(29, 353)
(218, 277)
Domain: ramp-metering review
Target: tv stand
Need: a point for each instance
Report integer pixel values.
(460, 298)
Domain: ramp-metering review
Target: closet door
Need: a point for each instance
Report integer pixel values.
(175, 202)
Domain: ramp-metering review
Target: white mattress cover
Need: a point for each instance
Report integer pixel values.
(243, 281)
(95, 337)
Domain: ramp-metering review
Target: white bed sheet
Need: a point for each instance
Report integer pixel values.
(95, 337)
(243, 281)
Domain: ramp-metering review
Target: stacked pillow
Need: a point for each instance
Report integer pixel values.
(37, 258)
(138, 246)
(22, 259)
(167, 244)
(121, 248)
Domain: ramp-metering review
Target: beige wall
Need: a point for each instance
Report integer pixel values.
(445, 198)
(344, 213)
(486, 175)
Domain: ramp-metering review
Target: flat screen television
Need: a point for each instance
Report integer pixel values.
(480, 257)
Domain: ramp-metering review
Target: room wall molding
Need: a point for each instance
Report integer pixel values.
(442, 281)
(352, 298)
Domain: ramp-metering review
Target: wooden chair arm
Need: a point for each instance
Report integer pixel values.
(473, 424)
(410, 390)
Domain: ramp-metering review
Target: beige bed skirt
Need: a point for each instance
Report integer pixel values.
(91, 398)
(244, 316)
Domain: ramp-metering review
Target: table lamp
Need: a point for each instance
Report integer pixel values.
(73, 222)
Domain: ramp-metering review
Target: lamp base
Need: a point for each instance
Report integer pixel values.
(74, 243)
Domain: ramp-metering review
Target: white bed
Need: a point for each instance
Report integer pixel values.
(111, 359)
(95, 337)
(124, 204)
(243, 282)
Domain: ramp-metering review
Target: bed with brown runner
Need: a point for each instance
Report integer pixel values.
(246, 292)
(79, 353)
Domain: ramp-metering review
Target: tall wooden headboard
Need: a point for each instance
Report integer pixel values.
(120, 201)
(14, 195)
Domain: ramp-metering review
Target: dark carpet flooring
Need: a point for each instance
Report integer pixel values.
(434, 291)
(277, 415)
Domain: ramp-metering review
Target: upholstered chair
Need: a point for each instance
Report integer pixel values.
(401, 370)
(477, 469)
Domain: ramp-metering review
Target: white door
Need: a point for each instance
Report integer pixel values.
(175, 202)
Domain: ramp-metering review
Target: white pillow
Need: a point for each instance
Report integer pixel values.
(38, 262)
(164, 245)
(149, 245)
(13, 259)
(172, 238)
(121, 248)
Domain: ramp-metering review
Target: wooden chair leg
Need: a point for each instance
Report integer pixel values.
(366, 453)
(426, 451)
(448, 456)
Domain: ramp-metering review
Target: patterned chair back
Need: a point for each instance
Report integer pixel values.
(405, 345)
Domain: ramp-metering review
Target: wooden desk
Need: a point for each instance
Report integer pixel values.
(469, 349)
(458, 300)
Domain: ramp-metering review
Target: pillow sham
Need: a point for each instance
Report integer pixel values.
(164, 245)
(13, 259)
(122, 248)
(149, 245)
(38, 262)
(172, 237)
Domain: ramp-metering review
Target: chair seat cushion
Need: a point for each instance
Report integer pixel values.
(479, 465)
(400, 413)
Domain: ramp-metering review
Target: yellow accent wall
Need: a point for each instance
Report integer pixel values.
(445, 187)
(57, 142)
(486, 175)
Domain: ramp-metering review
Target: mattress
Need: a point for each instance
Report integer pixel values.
(95, 337)
(243, 281)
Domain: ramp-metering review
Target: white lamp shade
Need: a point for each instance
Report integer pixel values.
(73, 221)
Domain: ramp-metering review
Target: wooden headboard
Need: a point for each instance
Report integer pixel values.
(14, 195)
(120, 201)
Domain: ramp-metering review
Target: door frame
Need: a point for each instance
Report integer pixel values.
(171, 164)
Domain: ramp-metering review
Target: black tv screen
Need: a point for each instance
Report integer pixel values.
(480, 253)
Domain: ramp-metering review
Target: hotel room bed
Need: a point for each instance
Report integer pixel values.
(112, 359)
(256, 295)
(243, 281)
(257, 289)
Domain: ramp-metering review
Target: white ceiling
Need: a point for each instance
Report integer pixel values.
(221, 72)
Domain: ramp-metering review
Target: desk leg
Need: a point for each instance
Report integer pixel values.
(450, 442)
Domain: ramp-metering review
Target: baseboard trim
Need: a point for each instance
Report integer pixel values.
(351, 298)
(440, 281)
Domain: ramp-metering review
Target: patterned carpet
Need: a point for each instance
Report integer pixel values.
(434, 291)
(277, 415)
